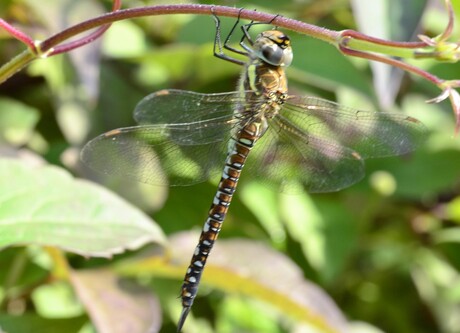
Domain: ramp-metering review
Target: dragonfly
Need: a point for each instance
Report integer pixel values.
(184, 137)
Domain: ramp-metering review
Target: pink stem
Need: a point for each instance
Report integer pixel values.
(314, 31)
(19, 35)
(392, 62)
(87, 39)
(360, 36)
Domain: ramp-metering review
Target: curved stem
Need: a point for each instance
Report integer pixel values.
(19, 35)
(16, 64)
(330, 36)
(317, 32)
(450, 25)
(393, 62)
(374, 40)
(346, 41)
(87, 39)
(354, 40)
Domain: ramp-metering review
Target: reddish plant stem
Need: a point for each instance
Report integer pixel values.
(38, 49)
(363, 37)
(450, 25)
(19, 35)
(324, 34)
(314, 31)
(392, 62)
(87, 39)
(330, 36)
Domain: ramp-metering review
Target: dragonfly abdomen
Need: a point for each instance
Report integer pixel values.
(235, 161)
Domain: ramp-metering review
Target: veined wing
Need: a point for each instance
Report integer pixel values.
(371, 134)
(178, 106)
(182, 140)
(323, 144)
(286, 154)
(170, 154)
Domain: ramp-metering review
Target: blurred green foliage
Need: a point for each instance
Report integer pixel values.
(385, 250)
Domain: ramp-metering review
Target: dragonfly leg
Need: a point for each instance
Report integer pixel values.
(246, 49)
(245, 28)
(227, 46)
(219, 47)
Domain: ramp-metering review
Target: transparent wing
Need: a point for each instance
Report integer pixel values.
(182, 139)
(323, 144)
(178, 154)
(371, 134)
(179, 107)
(286, 154)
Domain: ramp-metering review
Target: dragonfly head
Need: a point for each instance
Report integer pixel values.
(274, 48)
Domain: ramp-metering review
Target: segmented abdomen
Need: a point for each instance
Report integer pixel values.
(235, 161)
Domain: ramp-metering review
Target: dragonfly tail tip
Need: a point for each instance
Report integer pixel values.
(183, 317)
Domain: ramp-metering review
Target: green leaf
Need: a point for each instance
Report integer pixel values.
(453, 209)
(321, 65)
(362, 327)
(256, 195)
(324, 229)
(56, 300)
(45, 205)
(17, 121)
(449, 235)
(241, 314)
(124, 30)
(33, 323)
(440, 170)
(116, 305)
(437, 283)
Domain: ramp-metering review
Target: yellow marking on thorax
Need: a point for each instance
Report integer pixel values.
(252, 76)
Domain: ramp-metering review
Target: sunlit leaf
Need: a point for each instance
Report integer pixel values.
(453, 209)
(437, 283)
(361, 327)
(244, 314)
(321, 65)
(124, 30)
(324, 230)
(256, 195)
(17, 121)
(47, 206)
(447, 235)
(56, 300)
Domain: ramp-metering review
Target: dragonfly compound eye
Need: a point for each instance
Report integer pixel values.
(273, 54)
(274, 48)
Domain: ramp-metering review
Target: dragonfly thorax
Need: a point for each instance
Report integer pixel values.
(265, 74)
(265, 80)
